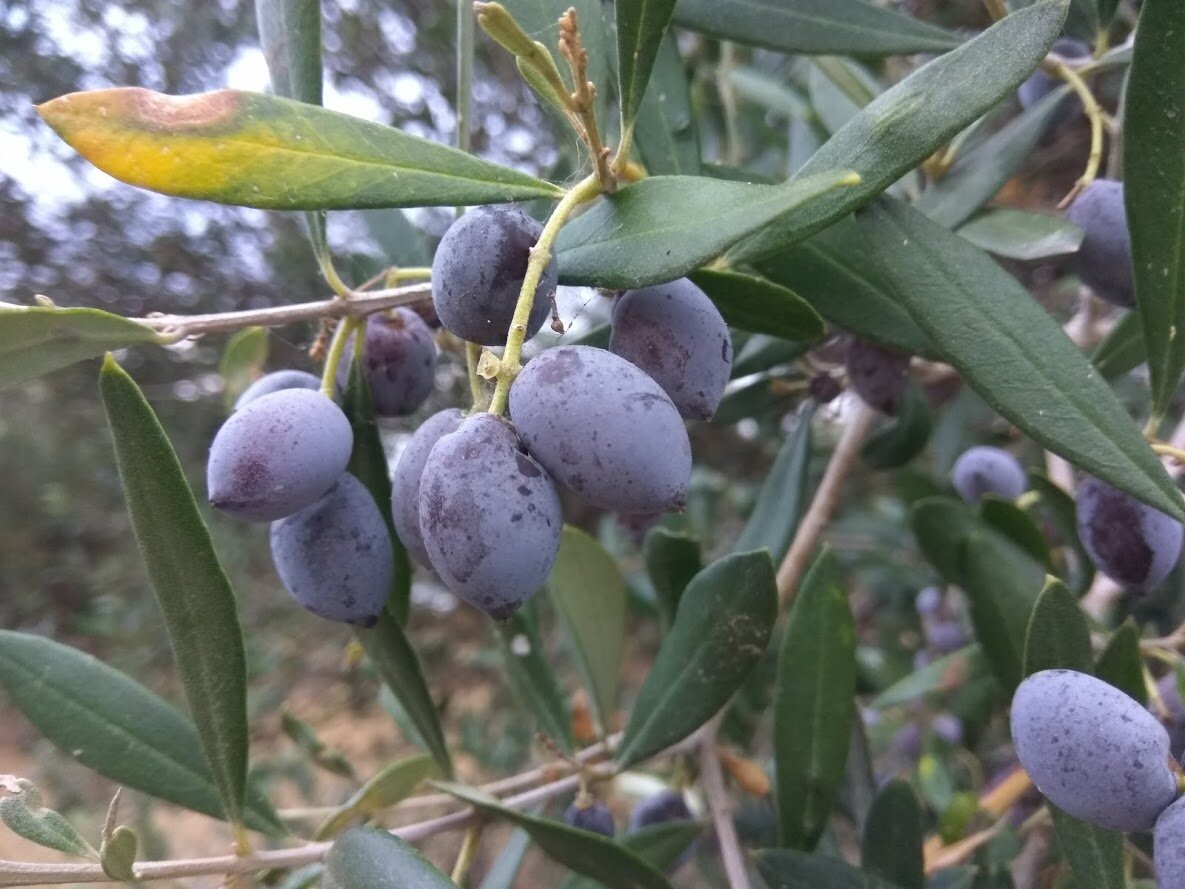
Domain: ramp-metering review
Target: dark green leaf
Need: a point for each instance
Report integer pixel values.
(583, 851)
(1017, 525)
(835, 272)
(1154, 186)
(892, 843)
(945, 674)
(659, 845)
(23, 814)
(286, 155)
(906, 435)
(588, 591)
(1013, 353)
(756, 399)
(641, 26)
(845, 27)
(193, 591)
(1121, 664)
(1023, 235)
(761, 352)
(783, 495)
(112, 724)
(813, 705)
(663, 227)
(769, 92)
(117, 854)
(368, 463)
(242, 361)
(906, 124)
(368, 858)
(672, 560)
(976, 176)
(1122, 349)
(831, 105)
(721, 631)
(789, 869)
(392, 784)
(36, 340)
(666, 131)
(757, 305)
(1095, 855)
(1057, 637)
(290, 34)
(533, 678)
(386, 645)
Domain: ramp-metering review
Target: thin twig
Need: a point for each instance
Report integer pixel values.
(720, 807)
(823, 505)
(178, 327)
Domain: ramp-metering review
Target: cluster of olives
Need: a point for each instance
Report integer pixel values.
(1097, 754)
(475, 497)
(664, 807)
(282, 457)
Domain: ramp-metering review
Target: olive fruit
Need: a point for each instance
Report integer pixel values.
(986, 470)
(405, 482)
(595, 817)
(1104, 259)
(274, 382)
(878, 375)
(1132, 543)
(399, 357)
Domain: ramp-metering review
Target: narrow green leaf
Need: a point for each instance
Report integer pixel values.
(392, 784)
(892, 842)
(386, 645)
(751, 303)
(504, 871)
(783, 495)
(368, 464)
(242, 361)
(813, 705)
(401, 242)
(1122, 349)
(117, 854)
(193, 591)
(906, 124)
(112, 724)
(762, 352)
(905, 437)
(1154, 189)
(1017, 525)
(23, 814)
(659, 845)
(672, 560)
(836, 273)
(845, 27)
(641, 26)
(1013, 353)
(1023, 235)
(36, 340)
(583, 851)
(368, 858)
(790, 869)
(290, 34)
(976, 176)
(1057, 636)
(1002, 596)
(1095, 855)
(1121, 664)
(945, 674)
(721, 631)
(533, 678)
(663, 227)
(832, 106)
(588, 591)
(666, 131)
(254, 150)
(756, 399)
(760, 87)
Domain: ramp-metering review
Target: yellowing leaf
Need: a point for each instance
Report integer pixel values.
(253, 150)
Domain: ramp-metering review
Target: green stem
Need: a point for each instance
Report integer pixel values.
(468, 852)
(585, 190)
(337, 348)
